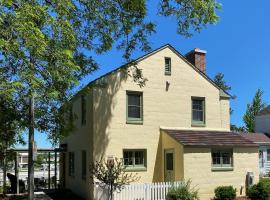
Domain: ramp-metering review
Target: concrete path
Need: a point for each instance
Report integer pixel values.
(41, 196)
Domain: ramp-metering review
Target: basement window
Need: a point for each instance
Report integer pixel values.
(222, 159)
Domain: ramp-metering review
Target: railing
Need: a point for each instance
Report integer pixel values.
(143, 191)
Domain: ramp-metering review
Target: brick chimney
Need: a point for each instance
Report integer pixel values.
(198, 58)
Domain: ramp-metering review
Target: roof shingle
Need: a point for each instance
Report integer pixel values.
(209, 138)
(257, 137)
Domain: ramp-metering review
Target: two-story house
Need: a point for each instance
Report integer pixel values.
(176, 127)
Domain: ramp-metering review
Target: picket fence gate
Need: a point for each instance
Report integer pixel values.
(140, 191)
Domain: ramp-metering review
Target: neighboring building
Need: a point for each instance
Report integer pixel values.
(262, 121)
(264, 154)
(176, 127)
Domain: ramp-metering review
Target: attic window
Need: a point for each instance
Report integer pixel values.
(168, 66)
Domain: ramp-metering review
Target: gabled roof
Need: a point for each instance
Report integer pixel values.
(259, 138)
(265, 111)
(209, 138)
(223, 93)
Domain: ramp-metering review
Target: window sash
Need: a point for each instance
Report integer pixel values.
(84, 164)
(134, 111)
(222, 158)
(268, 155)
(83, 110)
(71, 163)
(134, 158)
(198, 110)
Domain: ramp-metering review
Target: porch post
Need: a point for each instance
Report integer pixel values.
(49, 171)
(55, 168)
(17, 173)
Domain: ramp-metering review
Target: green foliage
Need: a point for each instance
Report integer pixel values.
(111, 175)
(190, 14)
(225, 193)
(253, 109)
(260, 191)
(183, 192)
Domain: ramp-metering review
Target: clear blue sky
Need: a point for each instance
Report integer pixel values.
(238, 46)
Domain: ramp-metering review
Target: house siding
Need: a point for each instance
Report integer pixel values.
(262, 124)
(197, 168)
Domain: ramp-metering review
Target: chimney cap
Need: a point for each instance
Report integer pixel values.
(197, 50)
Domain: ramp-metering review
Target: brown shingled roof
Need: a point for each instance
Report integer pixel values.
(257, 137)
(209, 138)
(265, 111)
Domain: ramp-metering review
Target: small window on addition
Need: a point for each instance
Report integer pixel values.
(134, 160)
(168, 66)
(222, 160)
(198, 111)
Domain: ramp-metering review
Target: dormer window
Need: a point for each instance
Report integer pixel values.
(168, 66)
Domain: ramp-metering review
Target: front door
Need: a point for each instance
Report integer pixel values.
(169, 165)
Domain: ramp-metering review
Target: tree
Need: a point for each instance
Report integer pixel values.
(111, 175)
(45, 48)
(221, 83)
(9, 132)
(253, 109)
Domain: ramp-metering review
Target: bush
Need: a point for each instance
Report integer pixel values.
(225, 193)
(260, 191)
(183, 192)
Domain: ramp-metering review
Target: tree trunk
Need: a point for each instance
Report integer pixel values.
(30, 149)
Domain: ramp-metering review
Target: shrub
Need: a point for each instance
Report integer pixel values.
(259, 191)
(183, 192)
(225, 193)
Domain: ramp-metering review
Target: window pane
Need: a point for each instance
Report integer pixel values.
(216, 160)
(169, 161)
(197, 110)
(134, 112)
(128, 158)
(134, 99)
(268, 154)
(139, 160)
(83, 164)
(226, 158)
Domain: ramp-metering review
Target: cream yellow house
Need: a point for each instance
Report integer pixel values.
(176, 127)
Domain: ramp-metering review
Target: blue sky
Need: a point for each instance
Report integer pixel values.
(238, 46)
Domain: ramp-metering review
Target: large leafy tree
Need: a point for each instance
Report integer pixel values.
(46, 48)
(10, 132)
(253, 109)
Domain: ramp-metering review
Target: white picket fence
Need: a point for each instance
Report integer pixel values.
(141, 191)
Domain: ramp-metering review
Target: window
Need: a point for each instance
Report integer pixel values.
(135, 159)
(84, 164)
(268, 154)
(71, 113)
(71, 163)
(222, 158)
(198, 111)
(83, 110)
(134, 107)
(168, 66)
